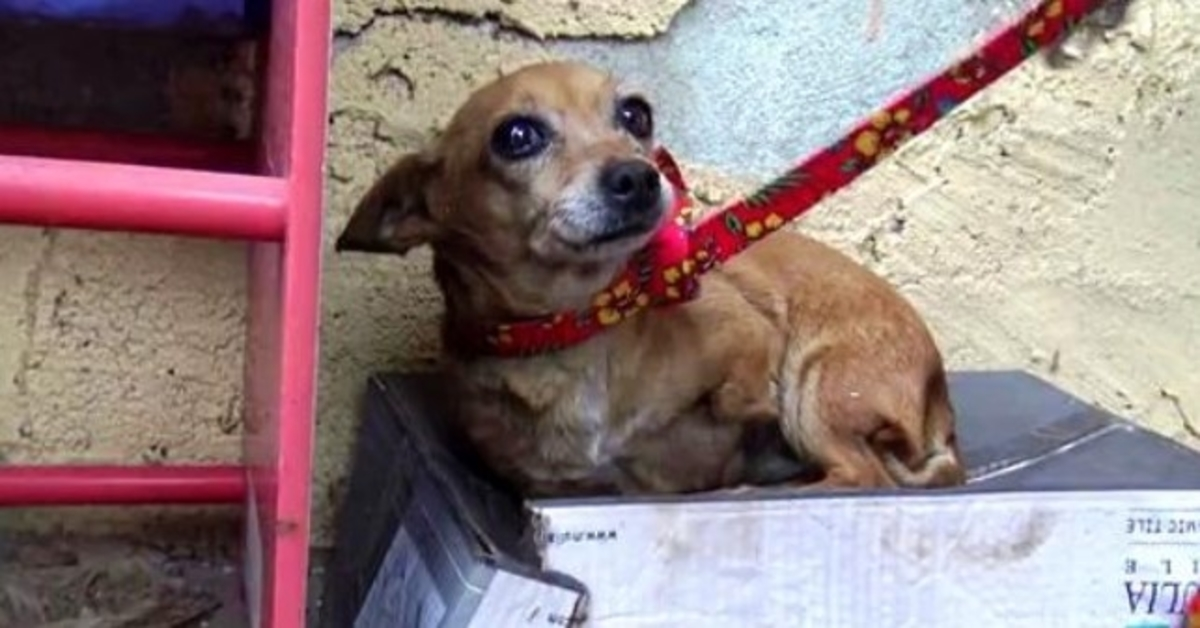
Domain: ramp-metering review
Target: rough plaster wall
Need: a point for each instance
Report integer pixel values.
(118, 348)
(1048, 225)
(1051, 225)
(541, 19)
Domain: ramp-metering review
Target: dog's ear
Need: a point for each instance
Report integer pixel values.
(393, 216)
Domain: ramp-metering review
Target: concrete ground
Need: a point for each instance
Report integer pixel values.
(1047, 225)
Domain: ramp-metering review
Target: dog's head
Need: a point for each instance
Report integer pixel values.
(542, 181)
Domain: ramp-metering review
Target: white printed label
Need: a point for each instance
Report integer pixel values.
(1161, 566)
(1087, 559)
(403, 594)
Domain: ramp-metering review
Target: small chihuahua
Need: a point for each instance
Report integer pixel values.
(537, 194)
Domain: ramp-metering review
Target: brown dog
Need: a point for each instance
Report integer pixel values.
(533, 199)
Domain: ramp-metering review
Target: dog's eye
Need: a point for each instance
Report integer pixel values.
(635, 116)
(520, 137)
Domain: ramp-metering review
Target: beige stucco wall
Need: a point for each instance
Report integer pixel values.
(118, 347)
(1049, 225)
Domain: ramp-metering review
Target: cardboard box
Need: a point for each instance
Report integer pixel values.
(1073, 517)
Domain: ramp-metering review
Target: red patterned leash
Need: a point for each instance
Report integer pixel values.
(667, 271)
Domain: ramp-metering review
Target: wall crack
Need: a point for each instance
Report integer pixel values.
(32, 296)
(499, 23)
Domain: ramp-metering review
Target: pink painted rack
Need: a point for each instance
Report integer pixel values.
(105, 181)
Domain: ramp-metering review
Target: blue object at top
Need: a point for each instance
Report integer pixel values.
(153, 13)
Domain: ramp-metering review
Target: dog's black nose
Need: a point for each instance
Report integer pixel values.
(630, 185)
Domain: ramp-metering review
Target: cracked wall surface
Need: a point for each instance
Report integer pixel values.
(119, 348)
(540, 20)
(1047, 225)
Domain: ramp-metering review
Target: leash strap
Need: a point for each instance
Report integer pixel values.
(667, 271)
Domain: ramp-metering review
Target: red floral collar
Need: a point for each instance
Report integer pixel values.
(667, 271)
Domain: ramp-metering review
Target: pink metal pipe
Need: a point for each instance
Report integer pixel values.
(94, 195)
(81, 485)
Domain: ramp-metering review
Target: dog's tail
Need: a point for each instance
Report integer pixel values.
(924, 453)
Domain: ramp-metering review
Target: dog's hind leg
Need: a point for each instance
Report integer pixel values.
(861, 439)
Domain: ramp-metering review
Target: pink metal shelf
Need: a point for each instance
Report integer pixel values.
(269, 194)
(88, 485)
(106, 196)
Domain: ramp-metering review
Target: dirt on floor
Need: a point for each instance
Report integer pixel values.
(155, 580)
